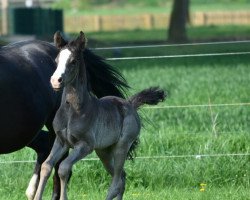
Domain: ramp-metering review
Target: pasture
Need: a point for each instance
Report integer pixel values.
(170, 164)
(102, 7)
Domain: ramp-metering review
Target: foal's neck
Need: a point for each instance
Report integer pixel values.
(76, 93)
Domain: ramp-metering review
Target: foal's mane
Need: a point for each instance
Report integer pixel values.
(104, 79)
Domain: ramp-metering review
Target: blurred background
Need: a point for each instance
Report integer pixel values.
(160, 20)
(196, 144)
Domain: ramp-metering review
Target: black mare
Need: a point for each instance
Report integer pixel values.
(28, 102)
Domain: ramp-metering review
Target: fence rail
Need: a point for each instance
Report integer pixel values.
(150, 21)
(156, 157)
(171, 45)
(180, 56)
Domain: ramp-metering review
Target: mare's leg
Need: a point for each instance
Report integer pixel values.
(42, 147)
(58, 150)
(106, 156)
(78, 152)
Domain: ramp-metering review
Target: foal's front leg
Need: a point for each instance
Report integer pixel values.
(57, 151)
(78, 152)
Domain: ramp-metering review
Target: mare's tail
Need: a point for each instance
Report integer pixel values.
(150, 96)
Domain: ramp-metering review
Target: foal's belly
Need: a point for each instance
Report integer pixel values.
(97, 136)
(106, 137)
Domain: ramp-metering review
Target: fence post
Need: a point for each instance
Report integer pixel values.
(148, 21)
(97, 23)
(4, 17)
(205, 19)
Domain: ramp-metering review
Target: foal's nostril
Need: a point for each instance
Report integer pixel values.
(60, 80)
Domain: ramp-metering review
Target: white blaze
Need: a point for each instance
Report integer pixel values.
(62, 60)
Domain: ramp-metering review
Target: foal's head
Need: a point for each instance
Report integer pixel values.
(69, 60)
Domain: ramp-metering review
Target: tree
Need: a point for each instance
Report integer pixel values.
(178, 20)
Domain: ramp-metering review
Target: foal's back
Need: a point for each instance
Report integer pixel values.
(116, 119)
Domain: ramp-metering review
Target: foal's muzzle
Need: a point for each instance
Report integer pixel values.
(56, 82)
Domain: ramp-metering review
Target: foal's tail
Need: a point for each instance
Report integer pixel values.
(150, 96)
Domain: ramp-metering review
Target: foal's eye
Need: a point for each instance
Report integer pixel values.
(73, 62)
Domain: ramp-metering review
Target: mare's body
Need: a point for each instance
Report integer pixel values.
(27, 99)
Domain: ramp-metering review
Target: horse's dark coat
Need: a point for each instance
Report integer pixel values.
(27, 100)
(109, 125)
(26, 97)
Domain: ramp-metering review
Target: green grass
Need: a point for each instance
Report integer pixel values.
(154, 36)
(171, 132)
(140, 7)
(221, 5)
(87, 184)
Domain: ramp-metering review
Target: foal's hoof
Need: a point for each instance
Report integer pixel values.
(55, 196)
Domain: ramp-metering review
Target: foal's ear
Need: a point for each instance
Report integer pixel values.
(81, 41)
(58, 40)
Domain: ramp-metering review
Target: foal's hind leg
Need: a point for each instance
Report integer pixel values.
(106, 156)
(118, 181)
(56, 179)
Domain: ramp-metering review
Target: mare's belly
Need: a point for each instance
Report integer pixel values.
(21, 116)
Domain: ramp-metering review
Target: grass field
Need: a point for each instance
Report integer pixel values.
(154, 36)
(172, 132)
(146, 6)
